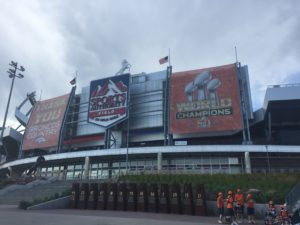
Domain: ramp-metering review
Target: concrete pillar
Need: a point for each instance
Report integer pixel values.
(247, 163)
(159, 161)
(86, 168)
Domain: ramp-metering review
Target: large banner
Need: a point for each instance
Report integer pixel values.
(109, 100)
(44, 125)
(205, 100)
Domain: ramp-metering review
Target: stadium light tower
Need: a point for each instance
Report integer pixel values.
(12, 74)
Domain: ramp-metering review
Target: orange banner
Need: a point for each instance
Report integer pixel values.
(205, 100)
(43, 128)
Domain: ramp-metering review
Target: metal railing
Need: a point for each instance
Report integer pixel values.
(293, 199)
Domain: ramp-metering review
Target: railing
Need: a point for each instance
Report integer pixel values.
(293, 199)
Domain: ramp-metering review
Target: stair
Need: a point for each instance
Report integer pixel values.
(32, 191)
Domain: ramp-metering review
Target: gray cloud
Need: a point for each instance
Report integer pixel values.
(53, 39)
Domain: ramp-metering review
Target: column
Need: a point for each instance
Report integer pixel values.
(159, 162)
(86, 168)
(247, 163)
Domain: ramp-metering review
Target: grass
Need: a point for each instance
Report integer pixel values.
(25, 204)
(273, 186)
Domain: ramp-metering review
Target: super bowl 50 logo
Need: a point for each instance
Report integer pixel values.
(108, 100)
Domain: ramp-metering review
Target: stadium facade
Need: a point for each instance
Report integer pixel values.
(197, 121)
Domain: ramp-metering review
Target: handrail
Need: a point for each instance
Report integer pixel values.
(292, 198)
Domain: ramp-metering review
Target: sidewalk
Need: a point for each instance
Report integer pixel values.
(11, 215)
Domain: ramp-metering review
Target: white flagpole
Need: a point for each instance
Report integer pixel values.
(169, 58)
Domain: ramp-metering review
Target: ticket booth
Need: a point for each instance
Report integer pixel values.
(164, 198)
(131, 197)
(84, 196)
(200, 200)
(187, 200)
(175, 199)
(93, 196)
(112, 196)
(122, 198)
(74, 196)
(153, 198)
(142, 198)
(102, 196)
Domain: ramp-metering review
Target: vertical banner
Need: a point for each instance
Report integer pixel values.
(109, 100)
(45, 122)
(205, 100)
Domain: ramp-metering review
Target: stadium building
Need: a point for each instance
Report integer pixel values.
(197, 121)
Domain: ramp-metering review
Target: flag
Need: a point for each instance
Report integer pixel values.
(164, 60)
(72, 82)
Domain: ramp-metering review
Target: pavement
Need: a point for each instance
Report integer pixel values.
(11, 215)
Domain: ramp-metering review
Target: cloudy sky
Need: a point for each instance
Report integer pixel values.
(53, 39)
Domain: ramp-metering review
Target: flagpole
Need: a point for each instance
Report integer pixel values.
(76, 73)
(169, 58)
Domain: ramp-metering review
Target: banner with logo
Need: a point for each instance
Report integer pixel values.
(45, 122)
(109, 100)
(205, 100)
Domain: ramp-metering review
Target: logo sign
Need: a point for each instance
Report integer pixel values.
(109, 100)
(43, 128)
(205, 100)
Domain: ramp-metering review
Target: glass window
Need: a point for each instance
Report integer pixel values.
(115, 164)
(122, 164)
(104, 165)
(141, 163)
(148, 163)
(215, 161)
(189, 161)
(104, 174)
(78, 167)
(94, 166)
(70, 167)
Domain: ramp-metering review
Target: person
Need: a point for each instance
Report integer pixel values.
(284, 215)
(220, 206)
(271, 214)
(239, 206)
(250, 208)
(229, 206)
(271, 210)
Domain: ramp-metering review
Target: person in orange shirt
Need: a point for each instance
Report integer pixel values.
(220, 206)
(229, 205)
(250, 208)
(239, 206)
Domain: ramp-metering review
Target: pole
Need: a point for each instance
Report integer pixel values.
(12, 74)
(268, 159)
(7, 107)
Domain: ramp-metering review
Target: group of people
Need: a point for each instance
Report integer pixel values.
(235, 202)
(235, 206)
(274, 217)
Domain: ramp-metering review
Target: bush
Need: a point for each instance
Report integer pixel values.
(272, 186)
(24, 205)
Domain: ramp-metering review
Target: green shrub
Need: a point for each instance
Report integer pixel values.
(24, 205)
(272, 186)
